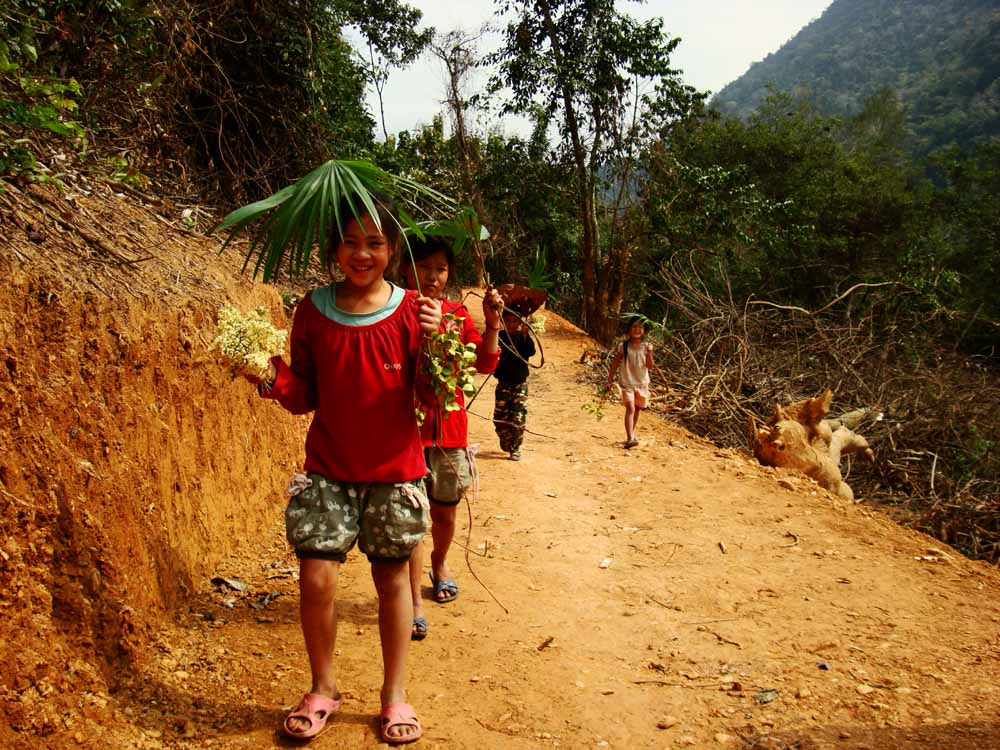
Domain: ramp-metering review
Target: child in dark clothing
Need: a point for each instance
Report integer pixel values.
(511, 410)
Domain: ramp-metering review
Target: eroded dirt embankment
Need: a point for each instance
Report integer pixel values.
(130, 464)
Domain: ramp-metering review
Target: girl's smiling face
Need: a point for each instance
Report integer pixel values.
(432, 273)
(636, 331)
(363, 253)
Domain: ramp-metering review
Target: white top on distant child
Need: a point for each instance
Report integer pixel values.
(631, 366)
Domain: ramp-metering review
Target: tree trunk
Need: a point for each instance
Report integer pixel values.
(586, 197)
(457, 62)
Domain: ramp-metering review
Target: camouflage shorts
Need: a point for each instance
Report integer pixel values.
(449, 474)
(324, 519)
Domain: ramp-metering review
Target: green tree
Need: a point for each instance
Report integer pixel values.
(586, 65)
(390, 27)
(529, 194)
(456, 50)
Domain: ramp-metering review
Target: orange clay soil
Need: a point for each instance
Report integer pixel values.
(742, 608)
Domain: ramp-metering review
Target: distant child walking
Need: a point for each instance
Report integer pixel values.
(354, 347)
(445, 435)
(511, 410)
(634, 359)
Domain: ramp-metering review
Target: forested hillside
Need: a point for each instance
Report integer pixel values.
(941, 57)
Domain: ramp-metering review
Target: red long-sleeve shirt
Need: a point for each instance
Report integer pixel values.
(451, 429)
(359, 380)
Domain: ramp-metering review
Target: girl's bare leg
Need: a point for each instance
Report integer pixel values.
(395, 618)
(630, 415)
(442, 532)
(317, 611)
(416, 568)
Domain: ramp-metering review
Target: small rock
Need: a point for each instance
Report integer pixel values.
(864, 689)
(722, 738)
(803, 692)
(666, 722)
(844, 735)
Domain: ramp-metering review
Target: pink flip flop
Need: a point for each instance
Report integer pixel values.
(315, 709)
(399, 715)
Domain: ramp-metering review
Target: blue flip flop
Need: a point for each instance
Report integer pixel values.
(419, 631)
(447, 586)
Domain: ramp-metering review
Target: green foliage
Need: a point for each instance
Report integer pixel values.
(977, 456)
(528, 192)
(122, 170)
(538, 275)
(461, 229)
(43, 105)
(791, 204)
(959, 254)
(450, 364)
(239, 96)
(33, 107)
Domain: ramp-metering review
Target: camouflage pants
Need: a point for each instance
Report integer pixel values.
(510, 414)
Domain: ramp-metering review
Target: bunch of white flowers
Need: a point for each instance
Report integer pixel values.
(537, 322)
(248, 341)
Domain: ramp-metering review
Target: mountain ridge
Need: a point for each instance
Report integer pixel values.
(942, 59)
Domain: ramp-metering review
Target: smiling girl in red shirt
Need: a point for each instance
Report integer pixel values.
(354, 347)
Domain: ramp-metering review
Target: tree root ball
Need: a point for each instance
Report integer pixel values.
(798, 436)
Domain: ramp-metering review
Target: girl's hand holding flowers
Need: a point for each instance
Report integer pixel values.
(248, 342)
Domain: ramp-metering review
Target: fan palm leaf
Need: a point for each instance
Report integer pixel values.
(288, 225)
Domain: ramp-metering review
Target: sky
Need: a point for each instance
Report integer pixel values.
(719, 41)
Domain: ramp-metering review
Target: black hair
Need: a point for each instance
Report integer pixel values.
(425, 248)
(631, 320)
(388, 219)
(421, 249)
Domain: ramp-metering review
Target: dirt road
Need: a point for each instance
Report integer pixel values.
(741, 608)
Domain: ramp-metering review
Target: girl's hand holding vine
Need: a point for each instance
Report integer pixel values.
(430, 314)
(492, 307)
